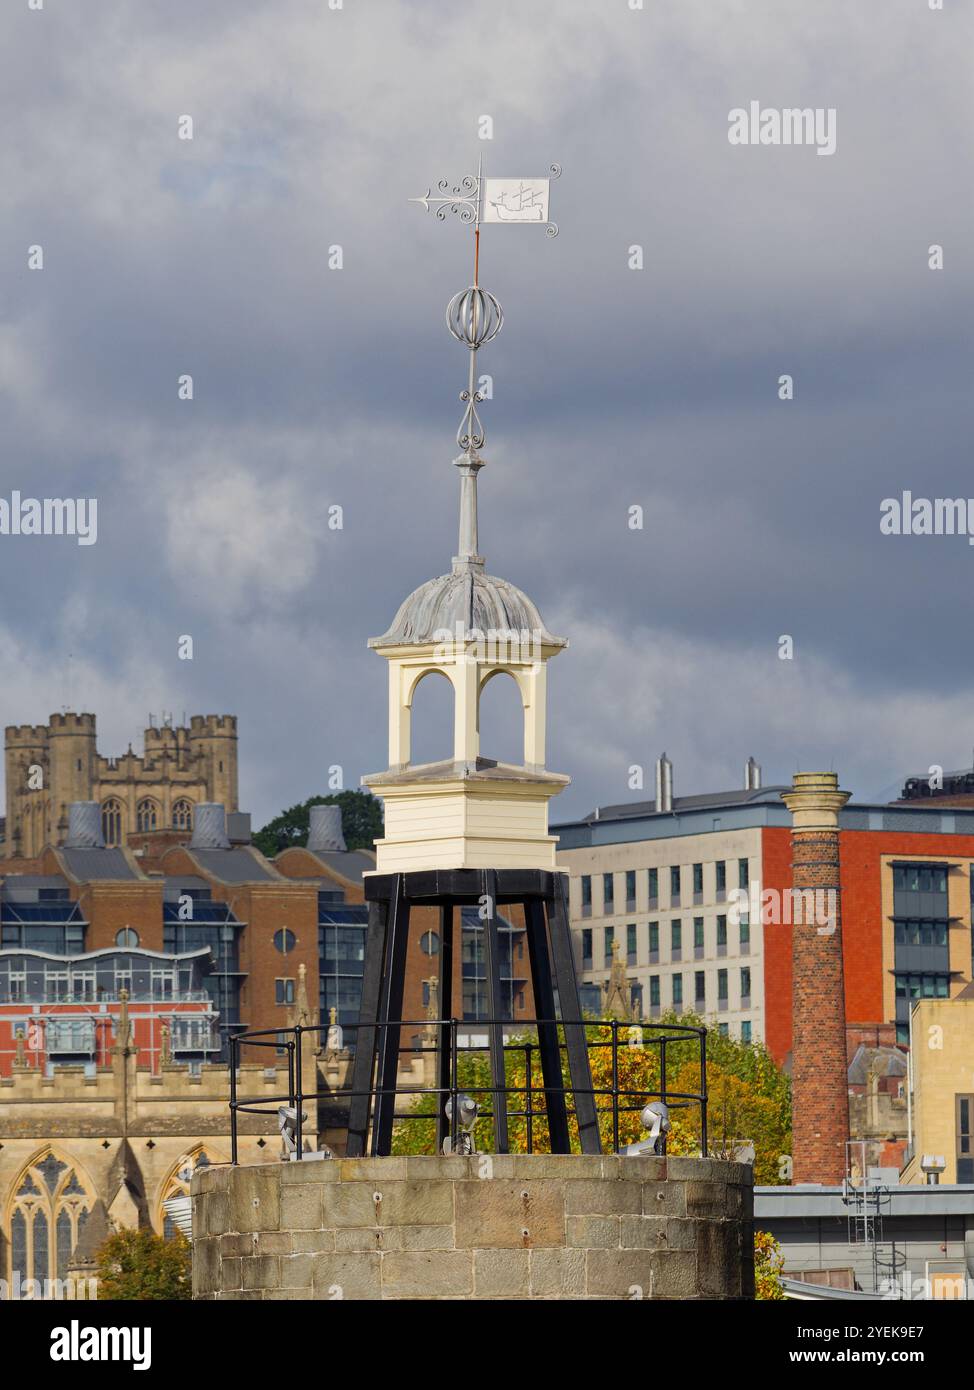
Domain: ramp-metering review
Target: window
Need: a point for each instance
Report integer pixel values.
(586, 948)
(698, 878)
(145, 815)
(922, 986)
(920, 932)
(698, 936)
(127, 937)
(51, 1206)
(674, 885)
(182, 815)
(631, 946)
(745, 930)
(700, 987)
(654, 991)
(722, 1030)
(965, 1148)
(586, 895)
(283, 991)
(630, 889)
(678, 991)
(722, 989)
(284, 941)
(721, 876)
(920, 878)
(721, 933)
(745, 984)
(608, 892)
(429, 943)
(653, 885)
(746, 1031)
(111, 821)
(742, 873)
(654, 941)
(608, 939)
(676, 940)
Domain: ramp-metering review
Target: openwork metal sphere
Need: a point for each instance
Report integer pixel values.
(474, 316)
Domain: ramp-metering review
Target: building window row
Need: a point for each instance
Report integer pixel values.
(696, 884)
(148, 816)
(676, 940)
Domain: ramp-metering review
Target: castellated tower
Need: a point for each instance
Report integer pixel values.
(26, 762)
(49, 766)
(213, 742)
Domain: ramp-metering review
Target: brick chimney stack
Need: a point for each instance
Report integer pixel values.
(819, 1078)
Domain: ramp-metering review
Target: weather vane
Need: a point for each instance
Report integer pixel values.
(474, 316)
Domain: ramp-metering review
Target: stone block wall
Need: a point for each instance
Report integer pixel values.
(524, 1227)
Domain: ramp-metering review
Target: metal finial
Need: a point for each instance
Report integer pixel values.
(474, 317)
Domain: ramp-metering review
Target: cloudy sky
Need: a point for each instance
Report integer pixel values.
(613, 387)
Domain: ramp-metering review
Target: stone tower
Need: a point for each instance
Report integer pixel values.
(213, 742)
(819, 1071)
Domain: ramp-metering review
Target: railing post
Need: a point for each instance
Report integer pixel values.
(454, 1086)
(233, 1098)
(615, 1085)
(703, 1093)
(298, 1133)
(529, 1117)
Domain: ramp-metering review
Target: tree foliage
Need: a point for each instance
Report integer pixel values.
(139, 1265)
(768, 1264)
(362, 822)
(749, 1097)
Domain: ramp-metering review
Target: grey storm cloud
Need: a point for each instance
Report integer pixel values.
(612, 387)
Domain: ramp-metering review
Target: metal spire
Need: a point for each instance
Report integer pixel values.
(474, 316)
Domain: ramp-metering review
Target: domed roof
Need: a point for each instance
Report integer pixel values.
(480, 602)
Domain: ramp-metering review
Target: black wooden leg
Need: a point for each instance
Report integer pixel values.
(544, 1008)
(444, 1051)
(495, 1030)
(373, 970)
(571, 1015)
(397, 936)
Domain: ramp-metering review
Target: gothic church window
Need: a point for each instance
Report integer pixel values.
(111, 821)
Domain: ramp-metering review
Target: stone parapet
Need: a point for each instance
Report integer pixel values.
(560, 1226)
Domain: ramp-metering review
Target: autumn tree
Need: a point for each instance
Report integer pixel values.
(139, 1265)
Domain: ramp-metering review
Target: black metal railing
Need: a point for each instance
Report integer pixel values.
(616, 1099)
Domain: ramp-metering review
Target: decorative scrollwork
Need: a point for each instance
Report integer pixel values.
(551, 229)
(471, 435)
(461, 199)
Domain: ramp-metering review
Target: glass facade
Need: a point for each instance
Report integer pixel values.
(191, 920)
(921, 927)
(43, 919)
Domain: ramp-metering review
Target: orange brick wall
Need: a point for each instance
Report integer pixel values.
(862, 920)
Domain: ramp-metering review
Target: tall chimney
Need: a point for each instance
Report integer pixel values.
(210, 826)
(752, 776)
(325, 834)
(84, 826)
(819, 1070)
(664, 784)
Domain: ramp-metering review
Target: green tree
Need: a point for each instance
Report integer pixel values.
(361, 822)
(140, 1265)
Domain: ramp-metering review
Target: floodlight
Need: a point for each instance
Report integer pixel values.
(656, 1118)
(467, 1112)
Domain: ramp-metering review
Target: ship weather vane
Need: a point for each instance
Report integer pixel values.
(474, 316)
